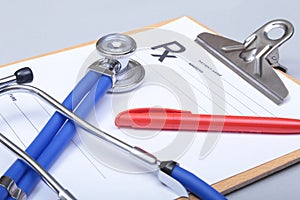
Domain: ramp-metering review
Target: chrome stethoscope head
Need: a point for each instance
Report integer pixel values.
(116, 46)
(126, 73)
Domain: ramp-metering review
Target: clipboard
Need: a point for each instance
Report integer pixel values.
(231, 183)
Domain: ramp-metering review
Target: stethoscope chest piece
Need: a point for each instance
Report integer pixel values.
(127, 74)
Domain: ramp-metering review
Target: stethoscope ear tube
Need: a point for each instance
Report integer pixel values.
(50, 181)
(67, 131)
(21, 76)
(17, 170)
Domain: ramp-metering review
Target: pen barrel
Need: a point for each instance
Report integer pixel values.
(173, 120)
(248, 124)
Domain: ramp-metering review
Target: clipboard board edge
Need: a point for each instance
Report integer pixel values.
(255, 174)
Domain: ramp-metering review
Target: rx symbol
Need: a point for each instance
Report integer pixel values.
(174, 47)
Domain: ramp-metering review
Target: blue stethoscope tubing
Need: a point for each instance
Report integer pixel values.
(65, 134)
(18, 168)
(195, 185)
(61, 139)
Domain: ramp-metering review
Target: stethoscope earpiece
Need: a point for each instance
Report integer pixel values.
(24, 75)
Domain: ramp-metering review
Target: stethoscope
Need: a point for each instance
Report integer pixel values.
(114, 73)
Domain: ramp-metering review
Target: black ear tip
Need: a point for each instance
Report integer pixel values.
(24, 75)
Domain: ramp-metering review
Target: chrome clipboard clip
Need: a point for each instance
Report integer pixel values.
(255, 58)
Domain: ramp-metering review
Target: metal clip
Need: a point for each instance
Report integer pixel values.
(255, 58)
(106, 67)
(12, 188)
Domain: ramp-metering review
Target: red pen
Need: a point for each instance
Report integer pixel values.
(171, 119)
